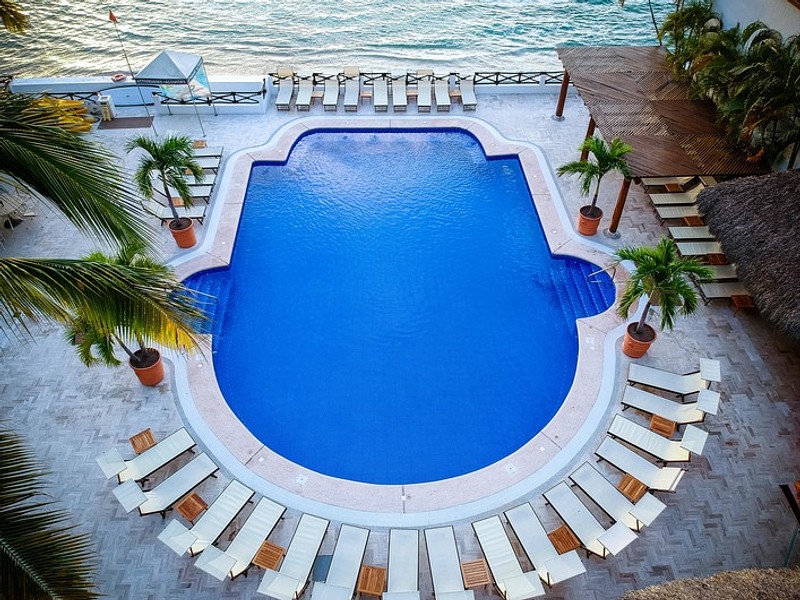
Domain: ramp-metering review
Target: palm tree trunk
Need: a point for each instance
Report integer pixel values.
(653, 18)
(596, 195)
(175, 216)
(127, 350)
(640, 324)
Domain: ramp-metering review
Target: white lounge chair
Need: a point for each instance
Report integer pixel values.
(551, 566)
(399, 92)
(210, 525)
(403, 577)
(285, 88)
(699, 248)
(291, 579)
(511, 583)
(380, 93)
(164, 214)
(613, 502)
(238, 557)
(330, 98)
(441, 88)
(209, 163)
(722, 290)
(593, 537)
(701, 233)
(444, 565)
(305, 88)
(656, 445)
(662, 181)
(208, 151)
(680, 385)
(723, 272)
(652, 404)
(340, 584)
(666, 213)
(664, 479)
(198, 193)
(677, 198)
(146, 463)
(424, 90)
(466, 84)
(352, 88)
(161, 498)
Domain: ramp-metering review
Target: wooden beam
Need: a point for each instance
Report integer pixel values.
(589, 133)
(562, 98)
(621, 197)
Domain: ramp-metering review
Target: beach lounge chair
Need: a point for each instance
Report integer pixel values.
(613, 502)
(666, 181)
(161, 498)
(305, 87)
(285, 88)
(146, 463)
(677, 198)
(238, 557)
(665, 213)
(352, 88)
(208, 163)
(691, 412)
(330, 98)
(207, 151)
(722, 290)
(593, 537)
(164, 214)
(509, 580)
(466, 84)
(291, 579)
(424, 90)
(663, 479)
(680, 385)
(380, 93)
(211, 524)
(399, 92)
(551, 566)
(699, 248)
(656, 445)
(701, 233)
(441, 87)
(340, 584)
(403, 575)
(444, 565)
(723, 272)
(199, 192)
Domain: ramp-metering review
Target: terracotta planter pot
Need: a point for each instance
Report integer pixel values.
(589, 220)
(152, 372)
(636, 346)
(184, 233)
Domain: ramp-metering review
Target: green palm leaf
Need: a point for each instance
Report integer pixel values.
(14, 20)
(604, 158)
(41, 556)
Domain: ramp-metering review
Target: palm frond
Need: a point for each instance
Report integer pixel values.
(14, 20)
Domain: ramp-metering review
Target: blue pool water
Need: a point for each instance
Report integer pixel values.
(392, 313)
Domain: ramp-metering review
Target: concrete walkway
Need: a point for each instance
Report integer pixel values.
(728, 512)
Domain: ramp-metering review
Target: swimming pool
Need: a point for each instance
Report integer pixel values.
(391, 301)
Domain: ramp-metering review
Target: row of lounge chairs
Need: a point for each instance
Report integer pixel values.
(425, 85)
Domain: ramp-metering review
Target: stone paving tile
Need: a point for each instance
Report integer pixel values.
(728, 512)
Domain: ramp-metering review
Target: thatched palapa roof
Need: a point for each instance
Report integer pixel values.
(757, 222)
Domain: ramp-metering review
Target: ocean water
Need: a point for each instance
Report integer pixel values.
(247, 37)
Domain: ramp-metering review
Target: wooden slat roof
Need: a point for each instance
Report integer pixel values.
(630, 94)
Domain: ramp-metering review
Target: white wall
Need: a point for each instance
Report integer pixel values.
(778, 14)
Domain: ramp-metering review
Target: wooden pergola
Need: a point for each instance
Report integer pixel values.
(631, 95)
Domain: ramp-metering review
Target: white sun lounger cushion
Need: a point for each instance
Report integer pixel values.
(208, 151)
(207, 162)
(403, 575)
(177, 485)
(305, 88)
(467, 87)
(665, 479)
(345, 565)
(663, 407)
(157, 456)
(291, 579)
(352, 88)
(285, 89)
(399, 92)
(654, 444)
(215, 562)
(577, 517)
(503, 562)
(699, 248)
(330, 97)
(380, 94)
(651, 181)
(219, 515)
(256, 529)
(716, 291)
(700, 232)
(424, 91)
(177, 537)
(551, 567)
(677, 198)
(442, 91)
(677, 212)
(679, 384)
(444, 564)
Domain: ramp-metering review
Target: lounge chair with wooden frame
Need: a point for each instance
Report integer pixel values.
(352, 88)
(238, 556)
(721, 290)
(305, 88)
(380, 92)
(285, 88)
(441, 88)
(663, 479)
(665, 213)
(551, 566)
(603, 493)
(403, 572)
(661, 448)
(466, 84)
(340, 583)
(210, 525)
(209, 163)
(161, 498)
(424, 82)
(509, 580)
(164, 214)
(678, 182)
(399, 92)
(677, 198)
(444, 564)
(289, 582)
(149, 461)
(699, 233)
(206, 151)
(679, 384)
(330, 97)
(681, 414)
(594, 538)
(699, 248)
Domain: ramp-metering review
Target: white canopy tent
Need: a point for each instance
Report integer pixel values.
(180, 76)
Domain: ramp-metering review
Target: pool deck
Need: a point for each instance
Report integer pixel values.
(727, 513)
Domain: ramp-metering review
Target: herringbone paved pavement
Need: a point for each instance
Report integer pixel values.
(727, 513)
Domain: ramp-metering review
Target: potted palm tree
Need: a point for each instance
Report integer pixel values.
(662, 275)
(170, 160)
(96, 339)
(607, 158)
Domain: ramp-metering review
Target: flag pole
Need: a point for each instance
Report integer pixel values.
(112, 17)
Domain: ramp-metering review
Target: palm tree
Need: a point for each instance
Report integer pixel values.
(14, 20)
(660, 274)
(607, 158)
(170, 160)
(682, 30)
(41, 557)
